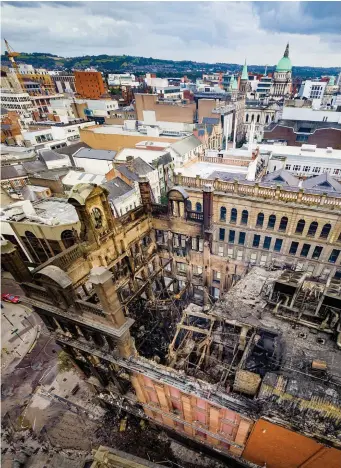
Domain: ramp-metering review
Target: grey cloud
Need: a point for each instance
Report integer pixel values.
(303, 17)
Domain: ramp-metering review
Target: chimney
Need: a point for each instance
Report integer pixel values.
(129, 161)
(146, 194)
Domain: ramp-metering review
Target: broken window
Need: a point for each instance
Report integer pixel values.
(278, 245)
(221, 234)
(260, 220)
(334, 256)
(256, 240)
(216, 276)
(197, 270)
(305, 250)
(267, 242)
(317, 252)
(325, 231)
(300, 226)
(283, 224)
(233, 218)
(271, 222)
(293, 248)
(232, 235)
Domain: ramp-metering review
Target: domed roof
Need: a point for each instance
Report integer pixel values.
(284, 65)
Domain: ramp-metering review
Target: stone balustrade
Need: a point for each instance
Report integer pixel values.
(229, 162)
(256, 190)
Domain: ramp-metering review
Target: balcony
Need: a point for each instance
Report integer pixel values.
(195, 216)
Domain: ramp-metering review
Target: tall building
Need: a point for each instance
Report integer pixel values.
(283, 76)
(90, 84)
(244, 80)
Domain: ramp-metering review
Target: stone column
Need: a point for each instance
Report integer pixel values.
(208, 210)
(105, 289)
(13, 263)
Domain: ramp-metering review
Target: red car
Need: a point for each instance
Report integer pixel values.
(10, 298)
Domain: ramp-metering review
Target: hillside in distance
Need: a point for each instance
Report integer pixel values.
(127, 63)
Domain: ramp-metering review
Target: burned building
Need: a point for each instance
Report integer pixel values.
(255, 375)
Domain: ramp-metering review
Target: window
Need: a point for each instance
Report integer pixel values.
(197, 270)
(325, 231)
(221, 251)
(306, 168)
(241, 240)
(67, 238)
(223, 213)
(300, 226)
(271, 222)
(233, 218)
(267, 119)
(189, 205)
(247, 118)
(258, 117)
(296, 167)
(334, 256)
(305, 250)
(293, 248)
(232, 235)
(181, 267)
(260, 220)
(316, 170)
(245, 216)
(267, 242)
(312, 229)
(283, 224)
(198, 206)
(302, 138)
(216, 276)
(278, 245)
(221, 234)
(256, 240)
(316, 253)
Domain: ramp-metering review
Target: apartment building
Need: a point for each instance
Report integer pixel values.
(90, 85)
(39, 76)
(131, 304)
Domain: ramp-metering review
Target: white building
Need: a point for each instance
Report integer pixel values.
(76, 177)
(98, 107)
(304, 161)
(122, 197)
(54, 136)
(313, 90)
(310, 114)
(94, 161)
(20, 103)
(122, 79)
(54, 160)
(63, 109)
(185, 150)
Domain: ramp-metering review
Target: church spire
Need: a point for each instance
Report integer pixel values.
(245, 75)
(286, 53)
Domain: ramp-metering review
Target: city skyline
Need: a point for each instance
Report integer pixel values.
(209, 32)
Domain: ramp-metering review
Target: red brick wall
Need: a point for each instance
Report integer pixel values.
(321, 138)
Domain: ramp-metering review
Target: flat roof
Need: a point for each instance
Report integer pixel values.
(118, 130)
(147, 155)
(204, 169)
(283, 150)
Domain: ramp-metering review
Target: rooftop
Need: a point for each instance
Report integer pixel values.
(296, 125)
(88, 153)
(147, 155)
(74, 177)
(305, 150)
(186, 144)
(71, 149)
(205, 169)
(51, 155)
(119, 130)
(117, 187)
(134, 169)
(50, 211)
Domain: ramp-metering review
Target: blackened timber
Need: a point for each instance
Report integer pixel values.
(143, 367)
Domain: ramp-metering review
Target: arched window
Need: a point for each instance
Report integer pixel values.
(300, 226)
(68, 238)
(247, 118)
(233, 218)
(258, 117)
(198, 206)
(37, 247)
(260, 220)
(325, 231)
(245, 217)
(189, 205)
(271, 222)
(267, 119)
(312, 229)
(223, 213)
(252, 118)
(283, 224)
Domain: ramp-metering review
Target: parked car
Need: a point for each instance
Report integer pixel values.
(10, 298)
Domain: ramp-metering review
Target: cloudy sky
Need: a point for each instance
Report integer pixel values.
(201, 31)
